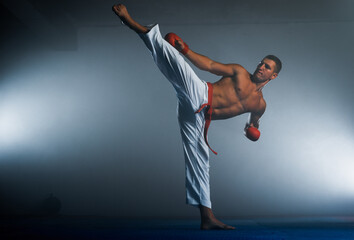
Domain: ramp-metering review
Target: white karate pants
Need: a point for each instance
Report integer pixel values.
(191, 92)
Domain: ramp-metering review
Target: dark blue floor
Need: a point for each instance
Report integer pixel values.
(115, 228)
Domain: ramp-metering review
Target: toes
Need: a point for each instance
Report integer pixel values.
(227, 227)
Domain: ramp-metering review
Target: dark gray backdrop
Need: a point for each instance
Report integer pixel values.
(86, 115)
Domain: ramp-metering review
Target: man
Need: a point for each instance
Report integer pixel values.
(237, 92)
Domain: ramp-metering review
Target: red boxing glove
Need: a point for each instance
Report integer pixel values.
(253, 134)
(171, 38)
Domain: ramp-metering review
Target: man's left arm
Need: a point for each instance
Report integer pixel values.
(253, 122)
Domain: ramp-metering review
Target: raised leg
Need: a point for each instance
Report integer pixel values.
(186, 83)
(125, 17)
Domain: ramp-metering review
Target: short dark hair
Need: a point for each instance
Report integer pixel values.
(277, 62)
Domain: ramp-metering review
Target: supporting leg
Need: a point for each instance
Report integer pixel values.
(209, 221)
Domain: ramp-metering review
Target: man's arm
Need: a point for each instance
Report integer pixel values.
(206, 64)
(251, 128)
(253, 120)
(200, 61)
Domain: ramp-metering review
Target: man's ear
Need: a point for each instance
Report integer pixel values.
(274, 76)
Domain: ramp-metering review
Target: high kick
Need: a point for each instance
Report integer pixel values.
(194, 111)
(191, 93)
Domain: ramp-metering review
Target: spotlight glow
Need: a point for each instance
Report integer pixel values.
(11, 128)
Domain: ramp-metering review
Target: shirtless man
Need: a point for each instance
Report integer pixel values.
(237, 92)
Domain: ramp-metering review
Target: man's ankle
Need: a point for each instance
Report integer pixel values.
(206, 213)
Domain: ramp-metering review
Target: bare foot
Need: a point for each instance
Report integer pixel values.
(125, 17)
(214, 224)
(121, 12)
(209, 221)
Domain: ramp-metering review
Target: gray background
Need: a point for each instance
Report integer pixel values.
(86, 115)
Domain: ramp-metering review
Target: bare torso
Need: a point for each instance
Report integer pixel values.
(236, 95)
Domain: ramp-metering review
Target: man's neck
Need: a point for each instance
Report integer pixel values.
(260, 86)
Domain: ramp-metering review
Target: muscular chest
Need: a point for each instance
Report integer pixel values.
(236, 92)
(242, 87)
(247, 94)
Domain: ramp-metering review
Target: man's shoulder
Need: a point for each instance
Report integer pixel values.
(238, 67)
(259, 109)
(262, 104)
(241, 71)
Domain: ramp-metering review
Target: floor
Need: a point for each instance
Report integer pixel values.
(69, 227)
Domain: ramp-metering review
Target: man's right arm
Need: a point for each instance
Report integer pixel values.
(206, 64)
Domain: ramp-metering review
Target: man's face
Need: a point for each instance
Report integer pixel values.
(265, 71)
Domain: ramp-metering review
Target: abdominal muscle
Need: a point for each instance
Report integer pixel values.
(227, 112)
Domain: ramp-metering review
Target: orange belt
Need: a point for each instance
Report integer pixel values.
(208, 114)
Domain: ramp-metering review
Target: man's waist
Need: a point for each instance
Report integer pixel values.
(225, 112)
